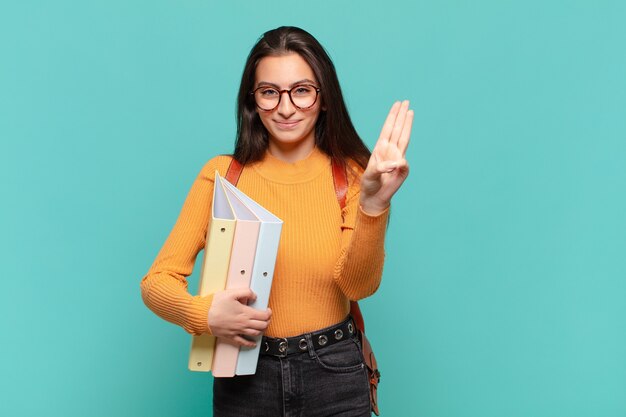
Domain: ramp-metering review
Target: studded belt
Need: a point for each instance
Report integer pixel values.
(288, 346)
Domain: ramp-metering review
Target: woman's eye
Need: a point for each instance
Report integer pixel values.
(269, 92)
(302, 90)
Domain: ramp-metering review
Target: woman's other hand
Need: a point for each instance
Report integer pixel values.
(387, 168)
(231, 319)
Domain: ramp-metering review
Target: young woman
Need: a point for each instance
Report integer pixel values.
(293, 127)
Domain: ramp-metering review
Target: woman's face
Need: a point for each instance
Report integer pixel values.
(290, 129)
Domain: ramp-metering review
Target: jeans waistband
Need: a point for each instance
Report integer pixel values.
(328, 336)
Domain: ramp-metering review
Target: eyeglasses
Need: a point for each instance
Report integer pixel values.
(302, 96)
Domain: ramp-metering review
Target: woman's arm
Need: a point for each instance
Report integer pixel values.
(164, 288)
(359, 269)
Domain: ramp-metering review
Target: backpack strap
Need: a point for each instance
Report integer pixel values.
(234, 172)
(340, 180)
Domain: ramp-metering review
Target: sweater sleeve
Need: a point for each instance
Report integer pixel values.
(164, 287)
(358, 271)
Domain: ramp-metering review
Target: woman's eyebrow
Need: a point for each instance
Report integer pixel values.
(269, 84)
(303, 81)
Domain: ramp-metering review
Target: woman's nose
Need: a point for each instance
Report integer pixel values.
(286, 107)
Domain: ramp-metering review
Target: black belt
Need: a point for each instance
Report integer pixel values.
(288, 346)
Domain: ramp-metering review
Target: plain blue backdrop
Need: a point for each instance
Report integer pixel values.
(505, 282)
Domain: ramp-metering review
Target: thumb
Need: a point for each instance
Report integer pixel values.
(243, 294)
(387, 166)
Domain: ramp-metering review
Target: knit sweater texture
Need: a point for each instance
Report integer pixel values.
(326, 257)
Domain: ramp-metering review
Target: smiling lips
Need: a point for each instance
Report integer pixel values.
(286, 125)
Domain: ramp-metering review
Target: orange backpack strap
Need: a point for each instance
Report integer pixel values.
(234, 171)
(340, 179)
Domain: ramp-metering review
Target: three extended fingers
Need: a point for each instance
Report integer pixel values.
(396, 130)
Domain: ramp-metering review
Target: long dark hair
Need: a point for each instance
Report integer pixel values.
(335, 134)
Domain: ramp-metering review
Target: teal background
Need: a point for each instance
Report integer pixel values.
(504, 287)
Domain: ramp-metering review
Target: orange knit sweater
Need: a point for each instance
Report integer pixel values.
(326, 257)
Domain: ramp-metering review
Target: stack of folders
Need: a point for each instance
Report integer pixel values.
(241, 248)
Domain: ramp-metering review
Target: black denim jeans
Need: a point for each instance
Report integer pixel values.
(330, 381)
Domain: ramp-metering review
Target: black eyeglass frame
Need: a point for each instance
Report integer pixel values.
(280, 96)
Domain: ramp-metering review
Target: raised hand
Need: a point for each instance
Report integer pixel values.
(387, 168)
(230, 318)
